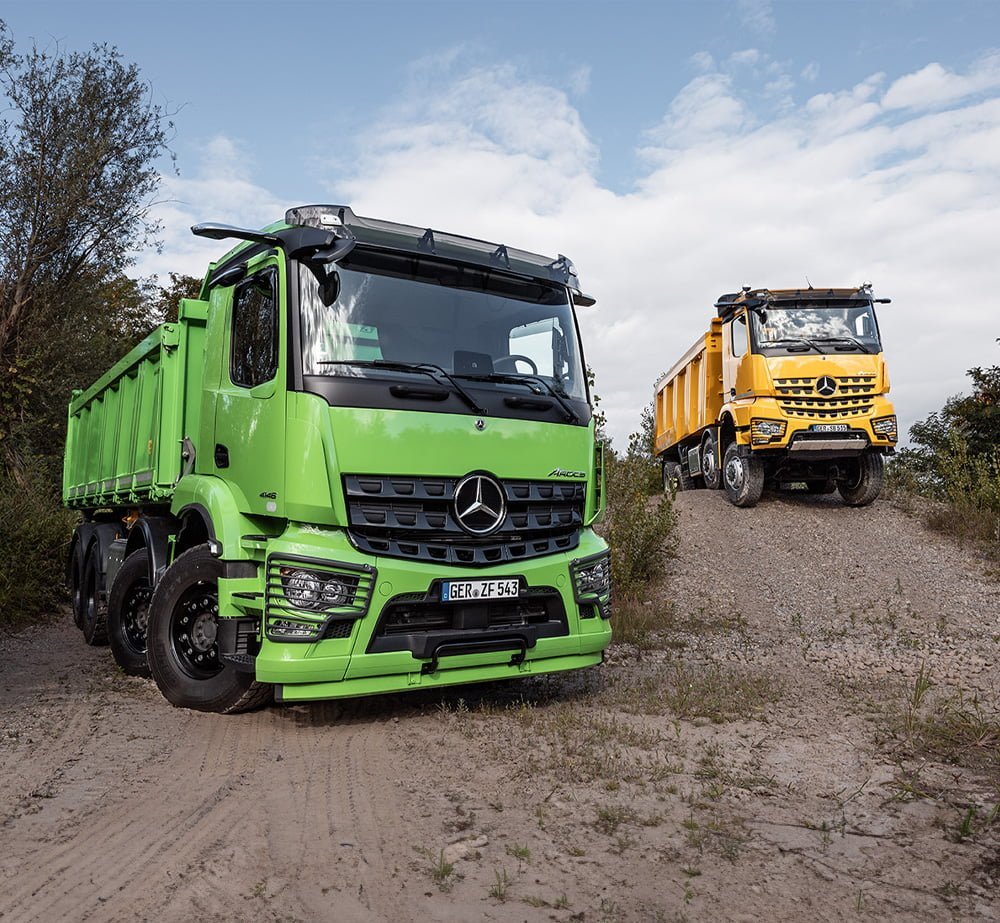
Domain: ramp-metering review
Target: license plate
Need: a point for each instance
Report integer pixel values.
(829, 427)
(453, 591)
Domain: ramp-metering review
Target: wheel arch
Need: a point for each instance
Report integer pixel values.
(152, 533)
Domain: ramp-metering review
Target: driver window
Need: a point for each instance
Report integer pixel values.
(254, 356)
(740, 341)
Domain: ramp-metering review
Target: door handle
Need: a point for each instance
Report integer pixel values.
(221, 456)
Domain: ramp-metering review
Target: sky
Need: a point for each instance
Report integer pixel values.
(674, 150)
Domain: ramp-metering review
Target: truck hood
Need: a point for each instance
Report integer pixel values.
(327, 443)
(836, 365)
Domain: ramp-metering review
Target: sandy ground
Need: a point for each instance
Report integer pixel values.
(756, 756)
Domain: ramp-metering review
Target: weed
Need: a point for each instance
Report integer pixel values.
(498, 890)
(440, 870)
(519, 852)
(965, 827)
(609, 819)
(561, 903)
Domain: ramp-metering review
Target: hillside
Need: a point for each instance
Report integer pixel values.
(785, 743)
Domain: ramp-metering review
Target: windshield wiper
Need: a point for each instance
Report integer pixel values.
(808, 343)
(847, 338)
(543, 387)
(422, 368)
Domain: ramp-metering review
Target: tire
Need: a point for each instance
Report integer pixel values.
(93, 613)
(826, 486)
(684, 480)
(743, 477)
(709, 464)
(76, 585)
(867, 485)
(128, 611)
(188, 670)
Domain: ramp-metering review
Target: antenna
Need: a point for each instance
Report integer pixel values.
(809, 284)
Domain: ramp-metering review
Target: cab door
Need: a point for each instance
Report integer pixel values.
(735, 346)
(249, 445)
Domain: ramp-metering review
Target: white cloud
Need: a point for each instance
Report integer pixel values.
(220, 191)
(934, 85)
(838, 189)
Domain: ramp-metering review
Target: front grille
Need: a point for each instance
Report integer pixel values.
(854, 397)
(413, 517)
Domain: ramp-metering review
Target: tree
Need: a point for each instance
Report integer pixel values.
(78, 148)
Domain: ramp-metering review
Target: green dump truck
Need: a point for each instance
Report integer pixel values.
(362, 461)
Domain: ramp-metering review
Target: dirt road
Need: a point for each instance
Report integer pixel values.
(783, 741)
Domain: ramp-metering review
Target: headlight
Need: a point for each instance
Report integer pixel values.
(306, 589)
(885, 426)
(592, 582)
(764, 431)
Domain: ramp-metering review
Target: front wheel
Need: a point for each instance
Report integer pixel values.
(128, 609)
(866, 484)
(182, 650)
(742, 476)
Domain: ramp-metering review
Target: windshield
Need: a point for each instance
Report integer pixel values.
(471, 323)
(848, 326)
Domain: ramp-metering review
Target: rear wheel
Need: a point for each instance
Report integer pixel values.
(76, 585)
(866, 484)
(93, 615)
(743, 477)
(128, 610)
(182, 650)
(710, 462)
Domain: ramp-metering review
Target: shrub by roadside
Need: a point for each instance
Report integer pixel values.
(955, 463)
(34, 534)
(639, 526)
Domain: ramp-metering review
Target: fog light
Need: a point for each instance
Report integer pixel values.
(286, 628)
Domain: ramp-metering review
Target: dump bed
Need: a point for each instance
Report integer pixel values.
(125, 432)
(689, 396)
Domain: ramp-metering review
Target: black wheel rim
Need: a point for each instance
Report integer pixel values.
(135, 610)
(193, 630)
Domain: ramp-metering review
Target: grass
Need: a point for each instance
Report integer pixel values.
(498, 890)
(611, 817)
(717, 693)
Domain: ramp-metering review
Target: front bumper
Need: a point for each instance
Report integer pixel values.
(359, 664)
(801, 438)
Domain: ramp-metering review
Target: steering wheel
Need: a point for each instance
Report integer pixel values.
(509, 363)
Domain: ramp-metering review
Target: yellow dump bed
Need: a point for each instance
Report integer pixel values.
(689, 396)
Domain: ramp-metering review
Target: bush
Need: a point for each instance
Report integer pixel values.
(639, 526)
(34, 538)
(955, 461)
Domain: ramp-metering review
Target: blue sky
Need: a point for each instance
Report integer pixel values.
(674, 150)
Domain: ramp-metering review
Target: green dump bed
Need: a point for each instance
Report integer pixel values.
(124, 439)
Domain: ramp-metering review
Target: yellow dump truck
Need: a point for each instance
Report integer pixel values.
(786, 387)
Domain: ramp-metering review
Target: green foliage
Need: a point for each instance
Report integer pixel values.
(639, 527)
(78, 146)
(955, 460)
(36, 534)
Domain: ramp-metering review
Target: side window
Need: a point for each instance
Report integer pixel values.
(254, 357)
(739, 334)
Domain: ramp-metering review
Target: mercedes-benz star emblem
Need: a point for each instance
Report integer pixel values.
(826, 385)
(480, 507)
